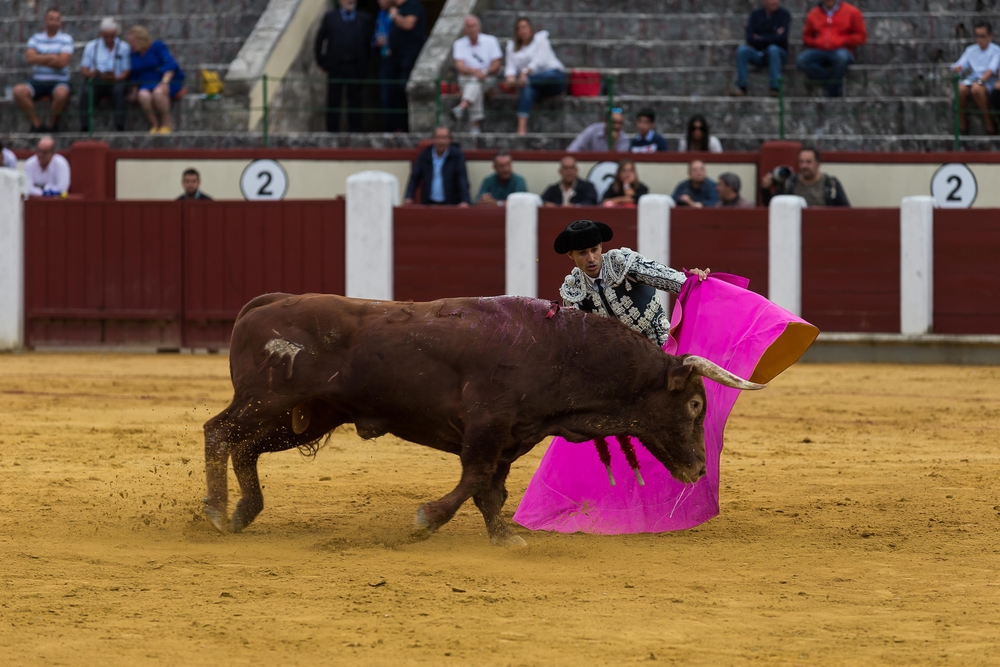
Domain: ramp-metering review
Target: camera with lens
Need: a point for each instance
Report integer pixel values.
(781, 174)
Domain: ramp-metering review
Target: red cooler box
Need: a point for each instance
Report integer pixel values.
(584, 83)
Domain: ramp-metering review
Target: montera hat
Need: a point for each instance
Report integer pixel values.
(581, 235)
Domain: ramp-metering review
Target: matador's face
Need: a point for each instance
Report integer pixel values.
(588, 260)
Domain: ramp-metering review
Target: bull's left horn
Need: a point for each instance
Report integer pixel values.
(713, 371)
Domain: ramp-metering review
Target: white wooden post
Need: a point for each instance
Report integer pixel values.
(521, 256)
(784, 252)
(654, 231)
(371, 196)
(11, 261)
(916, 265)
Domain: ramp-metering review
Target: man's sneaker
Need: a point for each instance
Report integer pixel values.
(774, 92)
(736, 91)
(474, 129)
(457, 112)
(37, 129)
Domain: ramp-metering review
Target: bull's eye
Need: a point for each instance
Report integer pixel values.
(694, 407)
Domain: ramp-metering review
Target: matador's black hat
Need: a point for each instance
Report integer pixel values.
(581, 235)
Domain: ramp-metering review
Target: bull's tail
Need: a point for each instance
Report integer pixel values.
(262, 300)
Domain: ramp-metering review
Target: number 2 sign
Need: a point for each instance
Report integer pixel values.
(264, 180)
(954, 186)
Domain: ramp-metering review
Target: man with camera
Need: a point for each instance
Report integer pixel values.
(817, 188)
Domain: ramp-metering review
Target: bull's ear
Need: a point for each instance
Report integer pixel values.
(678, 376)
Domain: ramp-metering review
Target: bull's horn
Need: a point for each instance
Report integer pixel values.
(713, 371)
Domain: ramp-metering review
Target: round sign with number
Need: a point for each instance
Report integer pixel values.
(602, 175)
(954, 186)
(264, 180)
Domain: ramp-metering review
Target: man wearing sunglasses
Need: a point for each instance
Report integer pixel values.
(595, 137)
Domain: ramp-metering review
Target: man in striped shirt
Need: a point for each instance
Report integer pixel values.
(49, 53)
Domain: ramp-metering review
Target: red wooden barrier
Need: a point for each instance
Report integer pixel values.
(850, 269)
(234, 251)
(553, 268)
(725, 240)
(443, 251)
(966, 281)
(102, 273)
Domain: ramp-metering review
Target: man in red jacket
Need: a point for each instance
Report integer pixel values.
(832, 30)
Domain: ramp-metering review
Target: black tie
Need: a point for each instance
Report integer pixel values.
(599, 284)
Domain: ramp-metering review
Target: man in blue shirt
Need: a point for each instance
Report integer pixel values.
(49, 53)
(699, 190)
(440, 172)
(407, 35)
(647, 140)
(105, 67)
(767, 44)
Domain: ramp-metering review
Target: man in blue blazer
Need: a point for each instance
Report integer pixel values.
(440, 172)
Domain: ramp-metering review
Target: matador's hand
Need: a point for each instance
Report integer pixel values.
(701, 274)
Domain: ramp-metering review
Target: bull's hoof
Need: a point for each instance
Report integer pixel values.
(217, 517)
(508, 540)
(422, 526)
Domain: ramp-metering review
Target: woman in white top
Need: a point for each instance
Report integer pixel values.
(698, 137)
(532, 67)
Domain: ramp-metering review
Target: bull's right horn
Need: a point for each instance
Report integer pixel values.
(713, 371)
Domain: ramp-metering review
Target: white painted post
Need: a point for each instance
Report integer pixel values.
(521, 265)
(11, 261)
(371, 196)
(654, 231)
(784, 252)
(916, 265)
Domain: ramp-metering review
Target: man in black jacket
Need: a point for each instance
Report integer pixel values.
(570, 190)
(342, 51)
(767, 44)
(817, 188)
(439, 171)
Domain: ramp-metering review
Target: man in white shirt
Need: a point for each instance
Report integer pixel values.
(981, 60)
(48, 173)
(105, 68)
(49, 53)
(478, 58)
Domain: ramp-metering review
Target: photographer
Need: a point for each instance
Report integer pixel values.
(817, 188)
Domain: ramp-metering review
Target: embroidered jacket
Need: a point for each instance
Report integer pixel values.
(629, 283)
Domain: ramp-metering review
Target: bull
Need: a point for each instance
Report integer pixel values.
(483, 378)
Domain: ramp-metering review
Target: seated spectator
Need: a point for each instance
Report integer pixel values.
(570, 190)
(981, 61)
(48, 172)
(9, 159)
(49, 53)
(698, 191)
(191, 182)
(501, 183)
(698, 137)
(832, 30)
(533, 67)
(341, 51)
(105, 68)
(817, 188)
(728, 187)
(647, 140)
(407, 34)
(478, 59)
(626, 189)
(767, 44)
(595, 137)
(440, 172)
(159, 78)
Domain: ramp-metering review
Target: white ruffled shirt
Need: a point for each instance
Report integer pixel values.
(535, 57)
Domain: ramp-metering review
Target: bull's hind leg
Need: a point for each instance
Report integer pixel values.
(490, 502)
(217, 433)
(251, 501)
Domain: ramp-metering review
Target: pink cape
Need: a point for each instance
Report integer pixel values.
(718, 319)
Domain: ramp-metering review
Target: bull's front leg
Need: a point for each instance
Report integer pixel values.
(216, 463)
(490, 502)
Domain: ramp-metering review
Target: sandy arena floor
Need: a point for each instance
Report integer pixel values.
(859, 526)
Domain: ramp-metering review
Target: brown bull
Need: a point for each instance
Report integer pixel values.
(483, 378)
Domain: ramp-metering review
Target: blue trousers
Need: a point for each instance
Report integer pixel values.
(774, 57)
(828, 66)
(541, 85)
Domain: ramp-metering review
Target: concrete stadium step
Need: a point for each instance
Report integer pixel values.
(74, 8)
(628, 26)
(796, 7)
(165, 27)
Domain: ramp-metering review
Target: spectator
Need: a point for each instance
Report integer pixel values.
(698, 137)
(728, 187)
(440, 171)
(49, 53)
(570, 190)
(105, 68)
(698, 191)
(981, 60)
(817, 188)
(478, 59)
(533, 67)
(501, 183)
(832, 30)
(9, 159)
(595, 137)
(647, 140)
(191, 182)
(47, 172)
(767, 44)
(380, 41)
(341, 50)
(159, 78)
(407, 35)
(626, 189)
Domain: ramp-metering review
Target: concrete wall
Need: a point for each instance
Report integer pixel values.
(887, 184)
